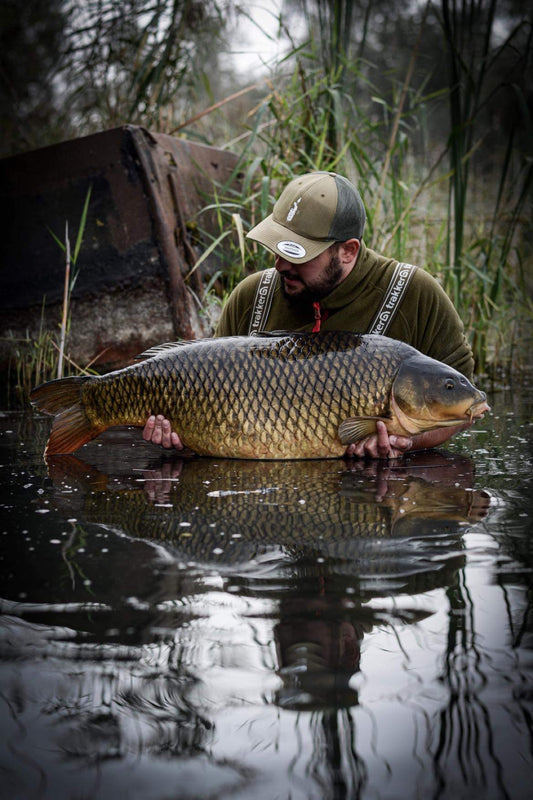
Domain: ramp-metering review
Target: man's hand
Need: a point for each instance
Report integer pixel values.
(380, 445)
(160, 482)
(159, 431)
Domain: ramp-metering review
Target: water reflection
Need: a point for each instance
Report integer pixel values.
(318, 539)
(225, 512)
(200, 628)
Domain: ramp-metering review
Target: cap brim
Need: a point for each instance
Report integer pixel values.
(287, 244)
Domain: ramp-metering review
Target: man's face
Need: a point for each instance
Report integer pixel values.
(311, 280)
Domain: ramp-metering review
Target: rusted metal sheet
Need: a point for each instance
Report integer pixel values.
(130, 291)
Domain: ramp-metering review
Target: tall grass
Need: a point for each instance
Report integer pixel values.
(40, 357)
(33, 360)
(326, 106)
(71, 274)
(482, 271)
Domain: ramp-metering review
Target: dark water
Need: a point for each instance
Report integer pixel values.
(196, 628)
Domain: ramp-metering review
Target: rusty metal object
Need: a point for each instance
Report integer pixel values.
(136, 253)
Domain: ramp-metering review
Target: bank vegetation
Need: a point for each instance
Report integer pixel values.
(425, 106)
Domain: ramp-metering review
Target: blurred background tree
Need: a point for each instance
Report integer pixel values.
(71, 67)
(31, 36)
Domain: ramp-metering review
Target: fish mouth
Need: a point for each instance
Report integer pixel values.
(477, 410)
(416, 424)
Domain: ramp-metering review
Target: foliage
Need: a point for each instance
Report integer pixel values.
(27, 93)
(33, 360)
(70, 278)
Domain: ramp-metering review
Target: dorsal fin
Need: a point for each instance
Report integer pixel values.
(160, 348)
(157, 349)
(277, 334)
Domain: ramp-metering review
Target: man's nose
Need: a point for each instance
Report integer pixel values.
(282, 265)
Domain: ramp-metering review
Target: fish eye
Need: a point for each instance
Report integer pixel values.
(449, 383)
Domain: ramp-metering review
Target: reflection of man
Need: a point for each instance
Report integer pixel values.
(318, 652)
(325, 278)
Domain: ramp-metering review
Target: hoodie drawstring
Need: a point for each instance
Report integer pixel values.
(321, 315)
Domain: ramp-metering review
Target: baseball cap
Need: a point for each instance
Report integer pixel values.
(312, 212)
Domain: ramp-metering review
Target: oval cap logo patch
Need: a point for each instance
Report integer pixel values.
(291, 249)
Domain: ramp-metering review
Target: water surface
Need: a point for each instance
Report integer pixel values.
(200, 628)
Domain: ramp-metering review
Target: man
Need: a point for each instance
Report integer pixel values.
(326, 278)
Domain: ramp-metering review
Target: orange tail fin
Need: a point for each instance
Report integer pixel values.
(71, 427)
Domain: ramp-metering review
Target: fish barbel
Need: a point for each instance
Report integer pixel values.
(272, 396)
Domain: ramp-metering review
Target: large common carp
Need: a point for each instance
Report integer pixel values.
(278, 396)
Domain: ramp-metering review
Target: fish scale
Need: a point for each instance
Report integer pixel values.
(270, 396)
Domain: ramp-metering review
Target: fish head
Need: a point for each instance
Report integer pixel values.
(428, 394)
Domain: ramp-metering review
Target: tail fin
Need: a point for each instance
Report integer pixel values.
(71, 427)
(70, 470)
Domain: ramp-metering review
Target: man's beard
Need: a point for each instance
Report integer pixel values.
(316, 290)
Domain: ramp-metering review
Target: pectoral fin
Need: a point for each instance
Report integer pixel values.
(355, 428)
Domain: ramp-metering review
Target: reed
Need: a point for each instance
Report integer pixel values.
(33, 360)
(486, 275)
(327, 106)
(71, 274)
(39, 357)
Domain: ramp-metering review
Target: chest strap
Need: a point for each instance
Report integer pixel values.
(393, 297)
(389, 306)
(262, 301)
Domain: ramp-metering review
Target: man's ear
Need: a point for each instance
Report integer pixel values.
(349, 250)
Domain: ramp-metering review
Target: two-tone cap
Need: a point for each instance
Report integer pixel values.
(312, 212)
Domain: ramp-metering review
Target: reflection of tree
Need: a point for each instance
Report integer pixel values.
(470, 723)
(465, 742)
(105, 723)
(345, 770)
(477, 677)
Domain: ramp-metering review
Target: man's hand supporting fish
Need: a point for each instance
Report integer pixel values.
(159, 431)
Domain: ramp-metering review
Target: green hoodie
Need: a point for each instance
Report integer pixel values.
(425, 319)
